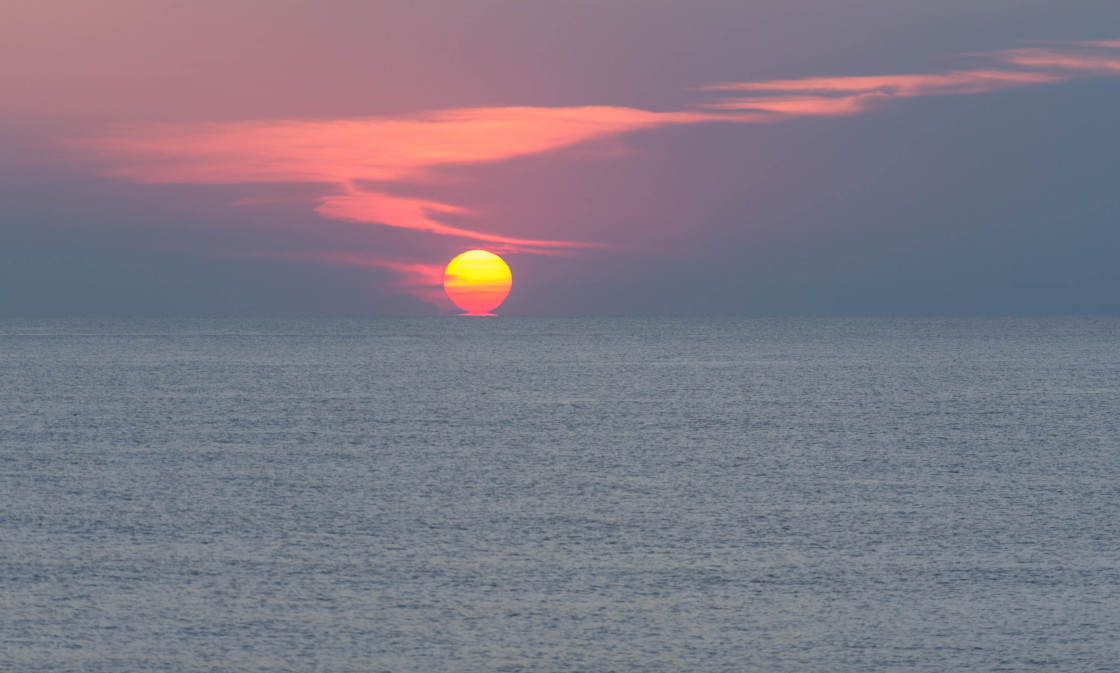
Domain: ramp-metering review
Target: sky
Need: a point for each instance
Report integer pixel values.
(625, 157)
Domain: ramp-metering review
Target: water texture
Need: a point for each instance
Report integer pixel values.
(524, 494)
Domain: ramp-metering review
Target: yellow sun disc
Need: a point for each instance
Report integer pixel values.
(477, 281)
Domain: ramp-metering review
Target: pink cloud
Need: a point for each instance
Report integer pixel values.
(344, 153)
(839, 96)
(1074, 63)
(780, 107)
(903, 86)
(375, 207)
(344, 150)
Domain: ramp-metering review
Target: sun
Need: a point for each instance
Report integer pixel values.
(477, 281)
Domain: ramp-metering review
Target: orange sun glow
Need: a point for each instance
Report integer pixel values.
(477, 282)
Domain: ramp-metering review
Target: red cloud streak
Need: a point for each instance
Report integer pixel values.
(837, 96)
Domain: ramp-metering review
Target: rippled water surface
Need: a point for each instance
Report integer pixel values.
(521, 494)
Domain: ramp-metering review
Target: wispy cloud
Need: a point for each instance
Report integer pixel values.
(357, 205)
(349, 155)
(1068, 63)
(849, 95)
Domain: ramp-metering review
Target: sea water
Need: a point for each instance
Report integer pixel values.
(581, 494)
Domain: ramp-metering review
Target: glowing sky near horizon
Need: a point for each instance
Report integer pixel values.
(399, 179)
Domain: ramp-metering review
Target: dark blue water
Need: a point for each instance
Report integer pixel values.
(526, 494)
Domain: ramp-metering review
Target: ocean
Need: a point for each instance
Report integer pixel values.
(568, 494)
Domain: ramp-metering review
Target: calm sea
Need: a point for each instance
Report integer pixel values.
(524, 494)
